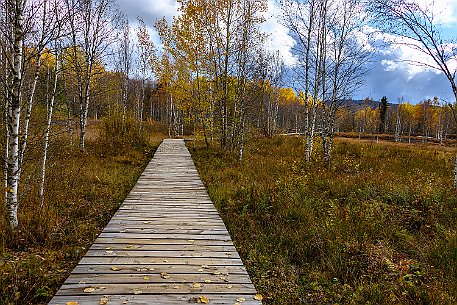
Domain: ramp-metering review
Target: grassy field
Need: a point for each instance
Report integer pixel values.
(377, 227)
(83, 191)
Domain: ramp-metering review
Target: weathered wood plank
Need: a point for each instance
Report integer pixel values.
(165, 245)
(175, 269)
(164, 299)
(154, 288)
(155, 277)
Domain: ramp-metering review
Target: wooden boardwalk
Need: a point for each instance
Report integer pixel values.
(165, 245)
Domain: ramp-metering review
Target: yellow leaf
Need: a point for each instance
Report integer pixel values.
(229, 286)
(89, 290)
(196, 285)
(208, 281)
(146, 277)
(202, 299)
(72, 303)
(137, 292)
(258, 297)
(164, 275)
(104, 301)
(115, 268)
(241, 300)
(109, 251)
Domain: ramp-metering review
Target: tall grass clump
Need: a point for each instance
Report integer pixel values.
(376, 227)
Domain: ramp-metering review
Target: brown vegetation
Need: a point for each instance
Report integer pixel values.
(84, 189)
(377, 227)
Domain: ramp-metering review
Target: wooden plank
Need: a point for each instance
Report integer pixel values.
(154, 288)
(197, 261)
(156, 277)
(167, 224)
(129, 252)
(166, 247)
(163, 241)
(175, 269)
(168, 299)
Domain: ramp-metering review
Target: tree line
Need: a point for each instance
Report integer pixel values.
(65, 61)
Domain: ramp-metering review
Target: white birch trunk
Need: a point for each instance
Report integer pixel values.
(46, 135)
(14, 119)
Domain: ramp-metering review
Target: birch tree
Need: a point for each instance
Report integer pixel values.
(124, 62)
(13, 48)
(416, 25)
(50, 108)
(90, 24)
(345, 65)
(147, 57)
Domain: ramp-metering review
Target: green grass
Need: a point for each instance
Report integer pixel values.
(377, 227)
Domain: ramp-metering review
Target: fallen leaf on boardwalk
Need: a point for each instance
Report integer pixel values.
(115, 268)
(109, 251)
(103, 301)
(141, 269)
(196, 285)
(228, 253)
(176, 287)
(191, 240)
(258, 297)
(152, 269)
(137, 292)
(89, 290)
(200, 300)
(164, 275)
(146, 277)
(108, 248)
(216, 272)
(203, 299)
(200, 270)
(72, 303)
(127, 247)
(230, 286)
(208, 281)
(165, 261)
(241, 300)
(236, 304)
(125, 302)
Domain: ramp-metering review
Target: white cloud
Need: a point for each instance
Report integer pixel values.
(149, 10)
(279, 38)
(444, 10)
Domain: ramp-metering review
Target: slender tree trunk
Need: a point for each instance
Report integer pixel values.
(69, 121)
(14, 120)
(25, 133)
(455, 172)
(46, 135)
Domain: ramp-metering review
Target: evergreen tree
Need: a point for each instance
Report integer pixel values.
(383, 104)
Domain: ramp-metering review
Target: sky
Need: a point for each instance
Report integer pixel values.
(388, 75)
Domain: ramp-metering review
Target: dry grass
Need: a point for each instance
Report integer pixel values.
(83, 191)
(377, 227)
